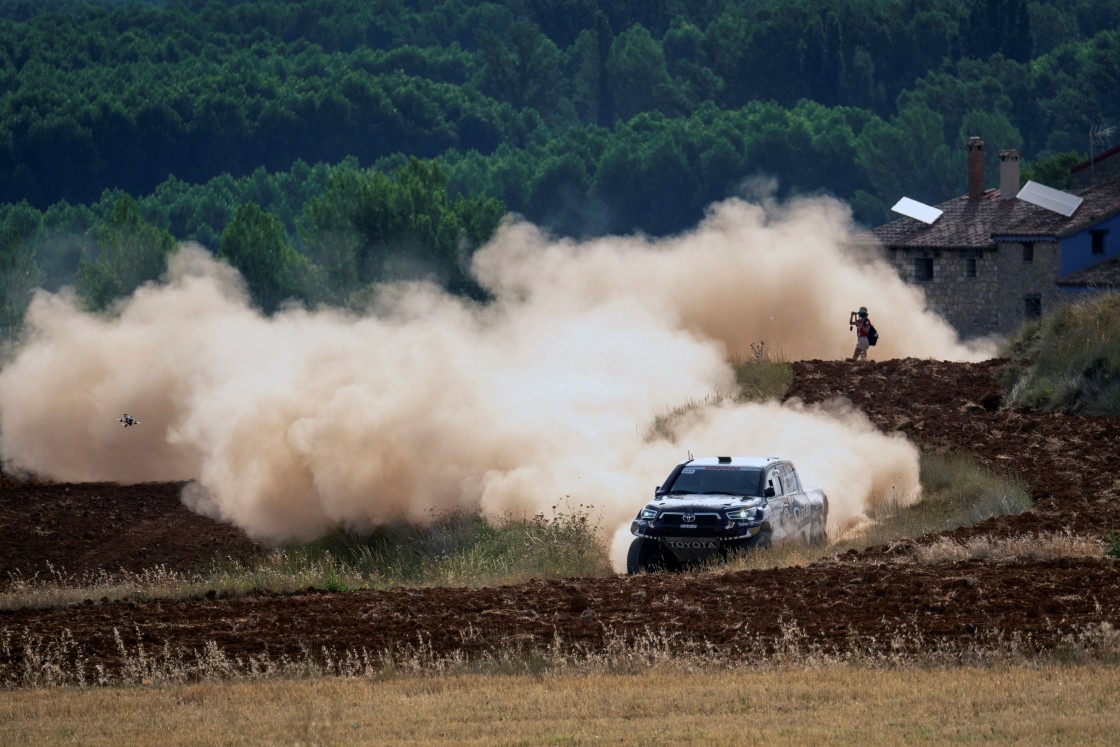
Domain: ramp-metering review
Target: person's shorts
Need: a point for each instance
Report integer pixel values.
(862, 343)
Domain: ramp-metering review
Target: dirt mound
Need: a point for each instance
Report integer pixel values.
(81, 529)
(1070, 463)
(877, 599)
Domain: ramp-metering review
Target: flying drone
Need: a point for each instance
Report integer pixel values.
(127, 420)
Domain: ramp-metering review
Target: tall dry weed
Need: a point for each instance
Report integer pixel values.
(61, 663)
(1030, 546)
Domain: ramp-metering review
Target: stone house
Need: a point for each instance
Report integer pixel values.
(991, 260)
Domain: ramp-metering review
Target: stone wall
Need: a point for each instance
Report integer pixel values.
(1021, 280)
(984, 292)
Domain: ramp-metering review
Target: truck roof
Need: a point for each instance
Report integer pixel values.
(735, 461)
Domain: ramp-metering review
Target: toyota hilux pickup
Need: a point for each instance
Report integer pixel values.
(713, 506)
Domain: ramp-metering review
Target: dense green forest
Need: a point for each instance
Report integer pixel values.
(324, 145)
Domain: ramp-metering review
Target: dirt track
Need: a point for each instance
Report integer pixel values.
(875, 599)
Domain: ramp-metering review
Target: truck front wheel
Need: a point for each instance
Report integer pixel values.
(761, 541)
(646, 555)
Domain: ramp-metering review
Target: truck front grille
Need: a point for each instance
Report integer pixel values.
(700, 520)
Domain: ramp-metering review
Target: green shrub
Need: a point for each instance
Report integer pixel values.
(761, 376)
(957, 491)
(1112, 539)
(457, 549)
(1068, 361)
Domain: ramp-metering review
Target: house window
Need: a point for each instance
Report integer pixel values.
(923, 269)
(1032, 306)
(970, 267)
(1028, 251)
(1097, 237)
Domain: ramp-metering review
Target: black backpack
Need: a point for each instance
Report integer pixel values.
(872, 335)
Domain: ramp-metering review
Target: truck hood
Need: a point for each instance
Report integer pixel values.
(702, 502)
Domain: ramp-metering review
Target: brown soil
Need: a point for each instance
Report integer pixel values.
(874, 599)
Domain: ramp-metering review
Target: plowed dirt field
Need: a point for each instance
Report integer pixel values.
(876, 599)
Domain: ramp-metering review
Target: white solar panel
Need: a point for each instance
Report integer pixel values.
(919, 210)
(1049, 198)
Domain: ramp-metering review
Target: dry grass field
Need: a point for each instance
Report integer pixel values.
(797, 705)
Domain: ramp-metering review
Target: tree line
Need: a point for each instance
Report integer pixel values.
(123, 94)
(359, 228)
(277, 122)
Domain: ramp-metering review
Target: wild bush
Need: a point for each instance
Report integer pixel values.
(1068, 361)
(762, 375)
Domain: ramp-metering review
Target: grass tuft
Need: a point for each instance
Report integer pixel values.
(464, 549)
(1030, 546)
(665, 424)
(1068, 361)
(1112, 539)
(957, 492)
(759, 377)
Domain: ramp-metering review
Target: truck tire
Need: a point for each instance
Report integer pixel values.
(817, 534)
(761, 541)
(645, 556)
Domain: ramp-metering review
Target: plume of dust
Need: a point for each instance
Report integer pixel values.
(292, 424)
(788, 275)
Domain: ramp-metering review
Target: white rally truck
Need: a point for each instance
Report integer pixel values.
(712, 506)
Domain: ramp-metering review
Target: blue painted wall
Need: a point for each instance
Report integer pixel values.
(1077, 250)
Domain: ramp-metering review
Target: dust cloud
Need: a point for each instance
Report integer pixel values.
(293, 424)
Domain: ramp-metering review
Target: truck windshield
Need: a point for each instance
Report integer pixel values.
(721, 480)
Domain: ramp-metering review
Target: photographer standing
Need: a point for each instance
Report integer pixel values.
(862, 325)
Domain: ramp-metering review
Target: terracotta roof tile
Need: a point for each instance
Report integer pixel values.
(1100, 201)
(965, 224)
(971, 223)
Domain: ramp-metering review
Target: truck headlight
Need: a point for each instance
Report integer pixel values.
(746, 510)
(648, 513)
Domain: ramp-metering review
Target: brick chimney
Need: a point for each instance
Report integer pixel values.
(1008, 173)
(975, 167)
